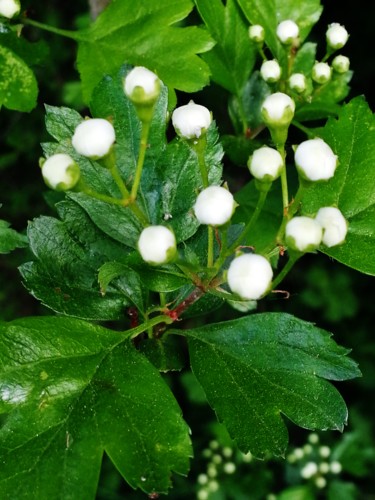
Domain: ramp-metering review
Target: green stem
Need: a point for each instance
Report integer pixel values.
(293, 257)
(74, 35)
(133, 332)
(100, 196)
(291, 211)
(284, 180)
(199, 146)
(306, 130)
(210, 250)
(141, 158)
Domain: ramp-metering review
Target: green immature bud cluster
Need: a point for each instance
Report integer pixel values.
(9, 8)
(256, 33)
(60, 172)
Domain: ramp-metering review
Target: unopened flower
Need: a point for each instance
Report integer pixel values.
(214, 206)
(60, 172)
(320, 482)
(287, 31)
(266, 164)
(9, 8)
(309, 470)
(321, 73)
(334, 226)
(142, 86)
(297, 82)
(315, 160)
(335, 467)
(336, 36)
(341, 64)
(303, 234)
(250, 276)
(191, 121)
(278, 110)
(270, 71)
(157, 245)
(256, 33)
(94, 138)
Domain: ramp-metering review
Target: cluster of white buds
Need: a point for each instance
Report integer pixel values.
(157, 245)
(9, 8)
(287, 32)
(341, 64)
(191, 121)
(270, 71)
(250, 276)
(336, 36)
(256, 33)
(142, 86)
(60, 172)
(321, 73)
(297, 82)
(315, 160)
(94, 138)
(214, 206)
(266, 164)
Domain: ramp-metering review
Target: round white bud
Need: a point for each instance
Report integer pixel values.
(336, 36)
(297, 82)
(321, 73)
(320, 482)
(191, 121)
(324, 451)
(250, 276)
(9, 8)
(270, 71)
(287, 31)
(157, 245)
(94, 138)
(229, 468)
(309, 470)
(278, 109)
(303, 234)
(334, 226)
(313, 438)
(214, 206)
(335, 467)
(324, 468)
(266, 164)
(315, 160)
(299, 453)
(142, 86)
(60, 172)
(256, 33)
(341, 64)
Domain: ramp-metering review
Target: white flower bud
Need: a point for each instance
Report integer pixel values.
(334, 226)
(335, 467)
(9, 8)
(309, 470)
(157, 245)
(270, 71)
(229, 468)
(60, 172)
(341, 64)
(320, 482)
(324, 451)
(278, 110)
(303, 234)
(142, 86)
(250, 276)
(313, 438)
(256, 33)
(287, 31)
(321, 73)
(266, 164)
(315, 160)
(191, 121)
(297, 82)
(336, 36)
(214, 206)
(299, 453)
(94, 138)
(324, 468)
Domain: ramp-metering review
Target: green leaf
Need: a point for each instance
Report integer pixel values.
(269, 13)
(257, 368)
(233, 57)
(143, 34)
(32, 53)
(166, 354)
(18, 86)
(61, 122)
(10, 239)
(71, 391)
(352, 189)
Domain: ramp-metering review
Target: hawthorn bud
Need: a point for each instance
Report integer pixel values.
(142, 86)
(341, 64)
(94, 138)
(60, 172)
(250, 276)
(297, 82)
(303, 234)
(214, 206)
(256, 33)
(334, 226)
(287, 31)
(270, 71)
(315, 160)
(278, 110)
(309, 470)
(321, 73)
(336, 36)
(191, 121)
(157, 245)
(266, 164)
(9, 8)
